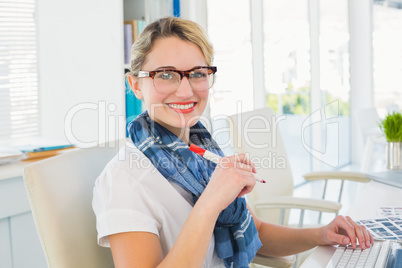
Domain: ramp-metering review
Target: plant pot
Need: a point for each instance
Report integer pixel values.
(394, 155)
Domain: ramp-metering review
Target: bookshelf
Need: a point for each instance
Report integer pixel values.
(134, 20)
(132, 28)
(133, 24)
(136, 15)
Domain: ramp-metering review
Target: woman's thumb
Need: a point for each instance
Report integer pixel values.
(341, 239)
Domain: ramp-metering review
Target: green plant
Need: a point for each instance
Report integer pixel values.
(392, 127)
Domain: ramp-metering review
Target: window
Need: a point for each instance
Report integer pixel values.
(18, 70)
(306, 70)
(387, 56)
(287, 74)
(334, 78)
(230, 33)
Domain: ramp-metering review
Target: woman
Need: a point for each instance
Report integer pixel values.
(159, 204)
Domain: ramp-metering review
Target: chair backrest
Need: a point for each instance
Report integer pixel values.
(60, 195)
(257, 133)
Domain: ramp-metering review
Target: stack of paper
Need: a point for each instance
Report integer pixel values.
(388, 228)
(35, 147)
(9, 154)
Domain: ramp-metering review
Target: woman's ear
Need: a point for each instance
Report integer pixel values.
(134, 84)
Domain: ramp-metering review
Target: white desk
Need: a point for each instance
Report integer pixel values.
(390, 177)
(373, 196)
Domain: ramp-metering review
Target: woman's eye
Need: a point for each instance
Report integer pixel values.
(165, 75)
(198, 74)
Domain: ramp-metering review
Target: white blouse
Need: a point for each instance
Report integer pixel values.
(130, 195)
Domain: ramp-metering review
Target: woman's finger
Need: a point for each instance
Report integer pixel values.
(358, 231)
(368, 237)
(249, 181)
(344, 227)
(241, 161)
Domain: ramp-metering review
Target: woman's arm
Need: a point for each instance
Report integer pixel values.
(141, 249)
(280, 240)
(232, 178)
(135, 249)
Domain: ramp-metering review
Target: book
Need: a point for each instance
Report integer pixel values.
(137, 26)
(128, 41)
(141, 25)
(9, 155)
(134, 29)
(45, 153)
(133, 105)
(42, 147)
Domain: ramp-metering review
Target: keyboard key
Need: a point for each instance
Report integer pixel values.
(345, 257)
(362, 258)
(336, 257)
(353, 259)
(375, 249)
(374, 257)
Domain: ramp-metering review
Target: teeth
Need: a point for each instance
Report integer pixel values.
(181, 107)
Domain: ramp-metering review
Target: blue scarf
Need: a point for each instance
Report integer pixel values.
(236, 237)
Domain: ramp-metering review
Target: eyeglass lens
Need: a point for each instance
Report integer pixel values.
(169, 81)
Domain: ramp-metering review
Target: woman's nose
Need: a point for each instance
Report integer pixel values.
(185, 90)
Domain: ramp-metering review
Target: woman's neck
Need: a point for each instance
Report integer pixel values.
(182, 133)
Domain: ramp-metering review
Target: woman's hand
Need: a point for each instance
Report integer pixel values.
(233, 177)
(343, 230)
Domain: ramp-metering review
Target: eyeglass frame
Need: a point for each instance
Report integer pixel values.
(151, 74)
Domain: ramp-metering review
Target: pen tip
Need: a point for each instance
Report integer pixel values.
(262, 181)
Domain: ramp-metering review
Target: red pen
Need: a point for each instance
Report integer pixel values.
(214, 157)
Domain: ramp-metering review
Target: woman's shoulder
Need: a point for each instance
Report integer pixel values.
(128, 162)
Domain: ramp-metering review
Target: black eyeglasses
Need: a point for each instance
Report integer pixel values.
(167, 81)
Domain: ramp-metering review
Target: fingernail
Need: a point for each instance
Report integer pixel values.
(345, 241)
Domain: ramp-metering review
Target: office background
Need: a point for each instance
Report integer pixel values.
(301, 58)
(317, 64)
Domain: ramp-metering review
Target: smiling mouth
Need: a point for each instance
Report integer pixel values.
(181, 106)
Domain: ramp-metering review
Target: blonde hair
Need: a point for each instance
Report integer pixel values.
(168, 27)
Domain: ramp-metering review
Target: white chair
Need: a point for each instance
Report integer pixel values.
(257, 134)
(60, 195)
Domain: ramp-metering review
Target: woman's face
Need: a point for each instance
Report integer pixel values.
(181, 109)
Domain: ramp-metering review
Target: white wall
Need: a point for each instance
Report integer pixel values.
(80, 59)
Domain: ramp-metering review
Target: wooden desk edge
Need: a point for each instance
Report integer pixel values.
(16, 169)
